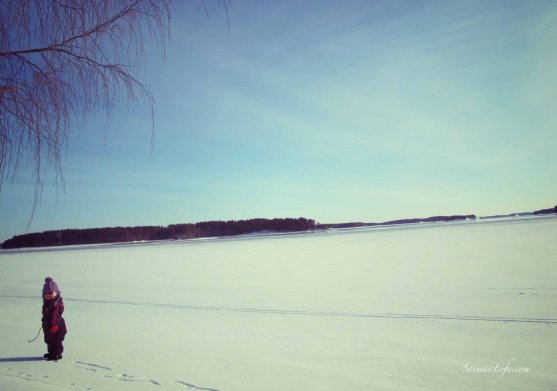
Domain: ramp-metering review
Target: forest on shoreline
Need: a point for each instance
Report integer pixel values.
(67, 237)
(207, 229)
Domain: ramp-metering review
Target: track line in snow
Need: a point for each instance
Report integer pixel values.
(308, 312)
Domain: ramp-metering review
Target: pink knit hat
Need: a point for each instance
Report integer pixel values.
(50, 286)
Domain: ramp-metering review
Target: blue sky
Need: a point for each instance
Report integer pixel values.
(333, 110)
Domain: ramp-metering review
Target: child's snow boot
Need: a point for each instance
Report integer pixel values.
(54, 357)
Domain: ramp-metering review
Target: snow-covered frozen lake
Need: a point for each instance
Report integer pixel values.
(429, 307)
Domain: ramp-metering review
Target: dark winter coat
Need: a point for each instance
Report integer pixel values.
(52, 315)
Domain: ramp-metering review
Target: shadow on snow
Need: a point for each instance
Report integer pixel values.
(21, 359)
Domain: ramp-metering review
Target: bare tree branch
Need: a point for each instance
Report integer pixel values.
(60, 61)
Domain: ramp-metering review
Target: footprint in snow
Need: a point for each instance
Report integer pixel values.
(104, 370)
(129, 378)
(90, 366)
(194, 387)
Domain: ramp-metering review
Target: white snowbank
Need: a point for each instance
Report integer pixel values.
(428, 307)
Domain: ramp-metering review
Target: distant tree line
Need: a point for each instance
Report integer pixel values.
(175, 231)
(433, 219)
(546, 211)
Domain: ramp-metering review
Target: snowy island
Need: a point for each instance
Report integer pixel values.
(209, 229)
(206, 229)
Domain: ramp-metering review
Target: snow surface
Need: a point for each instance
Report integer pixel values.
(427, 307)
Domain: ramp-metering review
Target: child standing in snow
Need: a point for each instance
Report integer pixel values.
(54, 326)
